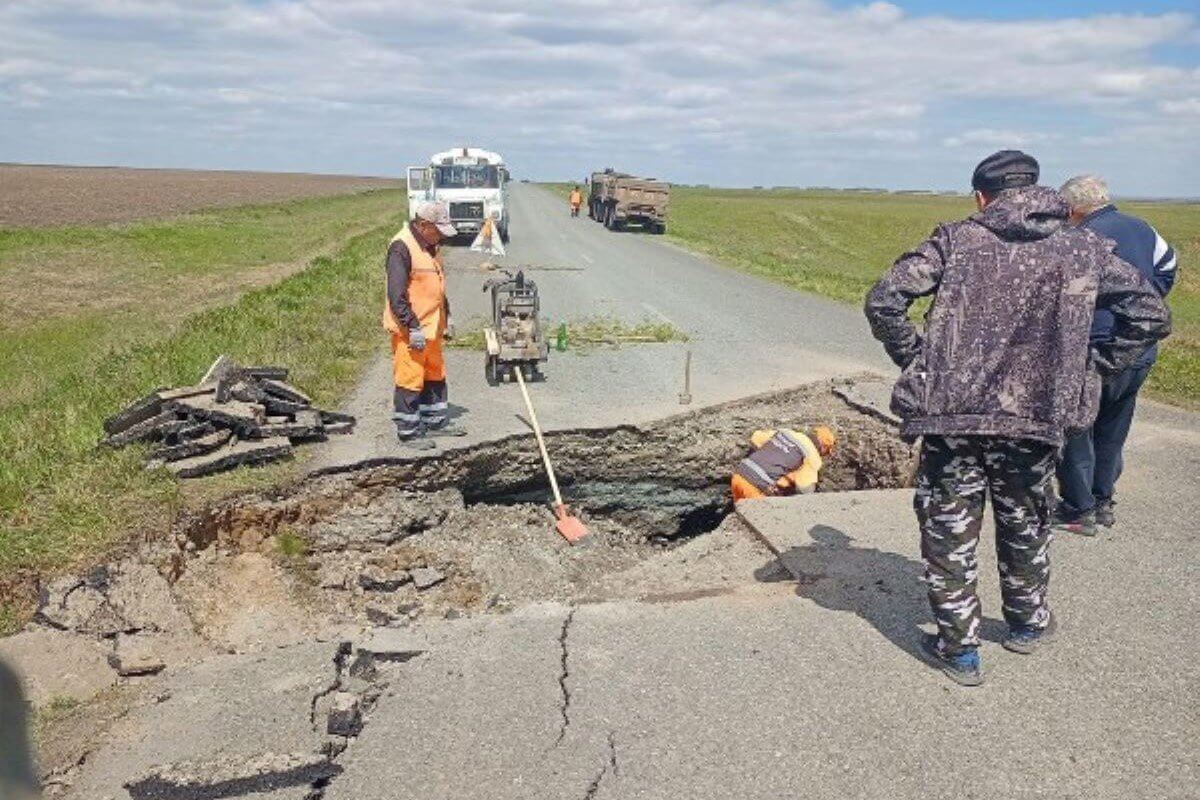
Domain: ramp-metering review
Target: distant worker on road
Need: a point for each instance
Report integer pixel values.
(417, 315)
(999, 374)
(783, 462)
(576, 200)
(1091, 460)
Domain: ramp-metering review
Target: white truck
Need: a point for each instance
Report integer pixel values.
(473, 182)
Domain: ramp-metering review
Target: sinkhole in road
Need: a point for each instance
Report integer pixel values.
(469, 530)
(659, 511)
(667, 481)
(479, 516)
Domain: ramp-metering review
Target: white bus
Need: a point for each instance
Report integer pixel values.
(473, 182)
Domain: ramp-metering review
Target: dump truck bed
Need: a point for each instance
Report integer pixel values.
(618, 198)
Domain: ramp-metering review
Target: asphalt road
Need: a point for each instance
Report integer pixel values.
(769, 687)
(815, 687)
(746, 335)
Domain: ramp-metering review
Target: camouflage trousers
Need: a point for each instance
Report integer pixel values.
(955, 477)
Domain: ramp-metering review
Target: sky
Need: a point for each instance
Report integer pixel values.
(752, 92)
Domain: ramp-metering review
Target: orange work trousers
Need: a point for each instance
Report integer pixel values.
(411, 368)
(744, 489)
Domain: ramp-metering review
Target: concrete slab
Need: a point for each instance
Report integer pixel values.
(478, 717)
(872, 397)
(226, 709)
(56, 665)
(802, 700)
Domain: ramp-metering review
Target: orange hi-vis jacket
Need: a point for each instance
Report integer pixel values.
(576, 197)
(426, 291)
(784, 461)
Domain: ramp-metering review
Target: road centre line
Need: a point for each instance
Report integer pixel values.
(659, 314)
(586, 258)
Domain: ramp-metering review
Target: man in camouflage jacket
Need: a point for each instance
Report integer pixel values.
(1002, 370)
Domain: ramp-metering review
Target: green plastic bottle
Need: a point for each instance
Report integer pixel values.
(560, 342)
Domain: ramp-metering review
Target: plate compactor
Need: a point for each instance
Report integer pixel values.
(515, 338)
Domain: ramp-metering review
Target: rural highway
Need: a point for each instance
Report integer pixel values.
(746, 335)
(791, 677)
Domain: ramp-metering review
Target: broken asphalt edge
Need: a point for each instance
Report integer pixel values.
(776, 394)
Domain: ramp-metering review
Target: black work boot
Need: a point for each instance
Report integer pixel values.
(1106, 514)
(414, 440)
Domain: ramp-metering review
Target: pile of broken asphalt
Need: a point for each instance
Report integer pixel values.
(235, 415)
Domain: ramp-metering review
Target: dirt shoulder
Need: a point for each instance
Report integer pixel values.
(49, 196)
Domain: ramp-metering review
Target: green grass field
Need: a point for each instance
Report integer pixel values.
(838, 243)
(154, 303)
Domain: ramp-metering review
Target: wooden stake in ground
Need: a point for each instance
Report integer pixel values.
(569, 526)
(685, 397)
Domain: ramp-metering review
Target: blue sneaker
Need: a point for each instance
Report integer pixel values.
(1025, 640)
(963, 668)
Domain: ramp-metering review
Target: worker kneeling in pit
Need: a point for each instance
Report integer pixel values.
(417, 315)
(783, 462)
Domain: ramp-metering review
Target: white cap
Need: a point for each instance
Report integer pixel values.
(438, 213)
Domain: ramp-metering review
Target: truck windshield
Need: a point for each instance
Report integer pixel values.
(466, 177)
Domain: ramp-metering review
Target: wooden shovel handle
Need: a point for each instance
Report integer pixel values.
(537, 430)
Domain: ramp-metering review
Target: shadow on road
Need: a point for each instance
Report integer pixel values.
(883, 588)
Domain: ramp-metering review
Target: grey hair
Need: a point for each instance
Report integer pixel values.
(1085, 192)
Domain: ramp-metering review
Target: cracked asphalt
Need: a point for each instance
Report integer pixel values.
(772, 687)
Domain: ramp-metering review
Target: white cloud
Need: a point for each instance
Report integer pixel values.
(696, 90)
(1188, 106)
(990, 139)
(879, 13)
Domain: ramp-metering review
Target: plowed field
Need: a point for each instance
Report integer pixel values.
(48, 196)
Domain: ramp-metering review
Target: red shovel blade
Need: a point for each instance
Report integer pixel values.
(569, 527)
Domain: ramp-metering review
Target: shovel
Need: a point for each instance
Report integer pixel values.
(568, 525)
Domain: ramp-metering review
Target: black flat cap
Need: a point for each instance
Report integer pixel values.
(1006, 169)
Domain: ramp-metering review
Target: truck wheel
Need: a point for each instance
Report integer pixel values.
(659, 228)
(491, 370)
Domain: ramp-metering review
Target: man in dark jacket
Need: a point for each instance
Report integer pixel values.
(1001, 371)
(1091, 460)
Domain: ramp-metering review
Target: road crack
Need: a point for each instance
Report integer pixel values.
(611, 765)
(564, 706)
(339, 670)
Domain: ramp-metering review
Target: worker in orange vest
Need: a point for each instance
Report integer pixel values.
(783, 462)
(417, 315)
(576, 201)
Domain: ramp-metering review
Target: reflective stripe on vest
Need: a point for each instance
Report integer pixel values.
(783, 453)
(426, 288)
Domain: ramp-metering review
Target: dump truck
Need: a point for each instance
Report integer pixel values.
(618, 199)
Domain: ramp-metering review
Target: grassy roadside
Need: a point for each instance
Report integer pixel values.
(62, 502)
(837, 244)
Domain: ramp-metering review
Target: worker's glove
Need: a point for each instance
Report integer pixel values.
(416, 339)
(448, 334)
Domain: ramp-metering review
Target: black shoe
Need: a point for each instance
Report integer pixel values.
(1079, 524)
(1106, 514)
(418, 442)
(963, 668)
(1026, 640)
